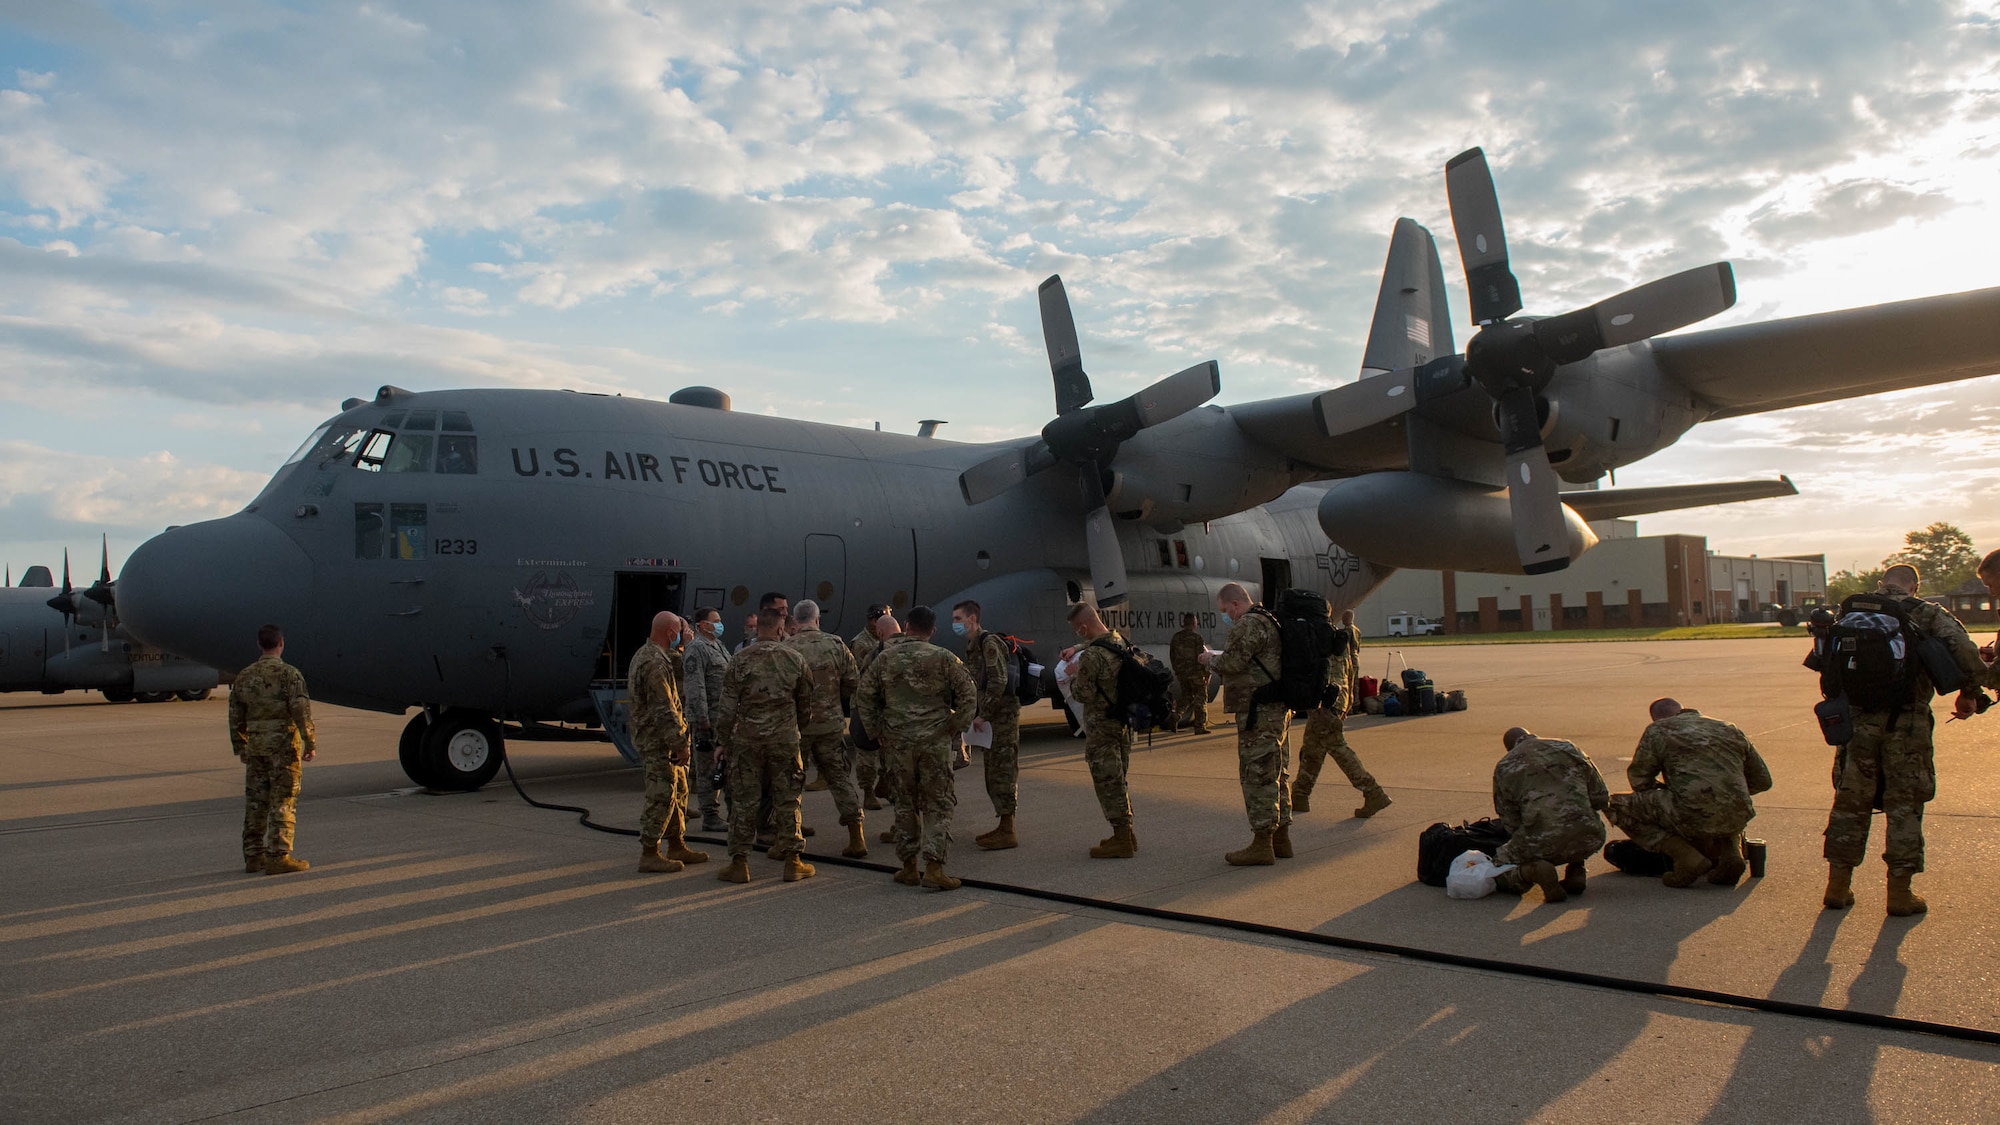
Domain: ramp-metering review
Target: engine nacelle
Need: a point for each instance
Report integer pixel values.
(1423, 522)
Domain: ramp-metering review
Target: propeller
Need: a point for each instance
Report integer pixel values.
(102, 593)
(65, 602)
(1087, 436)
(1513, 360)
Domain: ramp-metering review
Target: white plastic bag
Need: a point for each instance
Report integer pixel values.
(1471, 875)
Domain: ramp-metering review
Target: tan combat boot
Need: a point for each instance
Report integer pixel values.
(857, 841)
(253, 864)
(797, 868)
(1372, 802)
(651, 860)
(286, 864)
(737, 871)
(1258, 854)
(1903, 901)
(1001, 838)
(1121, 844)
(1729, 862)
(1302, 796)
(1839, 886)
(1281, 841)
(936, 880)
(816, 785)
(1574, 879)
(677, 849)
(1542, 873)
(1689, 864)
(908, 875)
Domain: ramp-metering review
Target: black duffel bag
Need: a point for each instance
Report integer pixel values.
(1441, 843)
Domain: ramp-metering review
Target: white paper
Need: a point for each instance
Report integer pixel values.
(981, 735)
(1035, 670)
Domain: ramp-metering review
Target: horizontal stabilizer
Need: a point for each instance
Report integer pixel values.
(1618, 503)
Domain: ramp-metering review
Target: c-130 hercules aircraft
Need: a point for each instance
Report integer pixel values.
(488, 553)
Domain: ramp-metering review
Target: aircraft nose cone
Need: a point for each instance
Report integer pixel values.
(202, 591)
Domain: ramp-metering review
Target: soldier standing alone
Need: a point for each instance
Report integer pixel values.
(823, 737)
(660, 733)
(914, 697)
(1107, 741)
(271, 732)
(766, 700)
(1252, 658)
(988, 657)
(1190, 677)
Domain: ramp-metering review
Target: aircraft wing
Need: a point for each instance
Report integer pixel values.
(1751, 368)
(1617, 503)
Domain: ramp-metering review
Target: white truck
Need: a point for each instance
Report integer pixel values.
(1411, 625)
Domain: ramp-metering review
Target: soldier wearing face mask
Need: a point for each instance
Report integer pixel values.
(705, 659)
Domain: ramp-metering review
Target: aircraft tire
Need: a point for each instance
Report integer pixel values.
(117, 695)
(192, 696)
(462, 750)
(153, 696)
(410, 749)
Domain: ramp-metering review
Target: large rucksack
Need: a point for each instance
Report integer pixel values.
(1441, 843)
(1025, 685)
(1874, 652)
(1307, 640)
(1145, 689)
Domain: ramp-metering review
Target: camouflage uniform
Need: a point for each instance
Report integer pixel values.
(867, 763)
(1190, 678)
(1350, 668)
(1711, 770)
(987, 660)
(660, 733)
(824, 734)
(914, 697)
(766, 701)
(270, 728)
(1547, 793)
(703, 665)
(1107, 743)
(1889, 759)
(1249, 660)
(1326, 735)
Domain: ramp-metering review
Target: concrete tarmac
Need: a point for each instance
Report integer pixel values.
(467, 957)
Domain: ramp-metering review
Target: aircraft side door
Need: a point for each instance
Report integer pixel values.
(826, 579)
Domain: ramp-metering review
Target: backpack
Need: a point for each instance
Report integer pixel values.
(1873, 654)
(1307, 640)
(1145, 689)
(1025, 685)
(1441, 843)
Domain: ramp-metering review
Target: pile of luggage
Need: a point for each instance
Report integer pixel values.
(1416, 695)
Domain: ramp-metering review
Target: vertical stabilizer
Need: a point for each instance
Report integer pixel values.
(1412, 323)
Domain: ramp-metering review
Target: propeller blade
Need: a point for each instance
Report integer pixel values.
(1100, 537)
(1065, 358)
(1541, 535)
(1639, 313)
(1368, 402)
(1482, 241)
(104, 558)
(66, 586)
(1175, 395)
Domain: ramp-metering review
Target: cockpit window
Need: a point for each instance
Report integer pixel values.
(300, 453)
(409, 453)
(393, 421)
(374, 450)
(458, 453)
(422, 420)
(456, 422)
(418, 447)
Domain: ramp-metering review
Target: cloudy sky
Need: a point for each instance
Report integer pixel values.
(218, 220)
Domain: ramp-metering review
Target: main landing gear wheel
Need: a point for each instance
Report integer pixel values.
(192, 696)
(461, 750)
(117, 695)
(154, 696)
(410, 749)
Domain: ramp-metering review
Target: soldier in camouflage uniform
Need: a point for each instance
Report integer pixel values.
(1107, 742)
(766, 701)
(1890, 759)
(1326, 733)
(1190, 677)
(1351, 662)
(866, 765)
(660, 734)
(703, 662)
(1250, 659)
(914, 698)
(1696, 813)
(271, 732)
(1548, 794)
(988, 658)
(824, 736)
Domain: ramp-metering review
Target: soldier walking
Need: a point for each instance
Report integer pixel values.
(914, 697)
(1251, 659)
(988, 657)
(823, 738)
(1326, 732)
(1547, 794)
(1107, 741)
(704, 662)
(1190, 677)
(660, 733)
(1692, 779)
(271, 732)
(766, 701)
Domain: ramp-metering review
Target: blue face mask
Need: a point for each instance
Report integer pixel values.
(958, 627)
(717, 626)
(1229, 617)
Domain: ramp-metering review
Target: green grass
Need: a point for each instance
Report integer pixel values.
(1572, 636)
